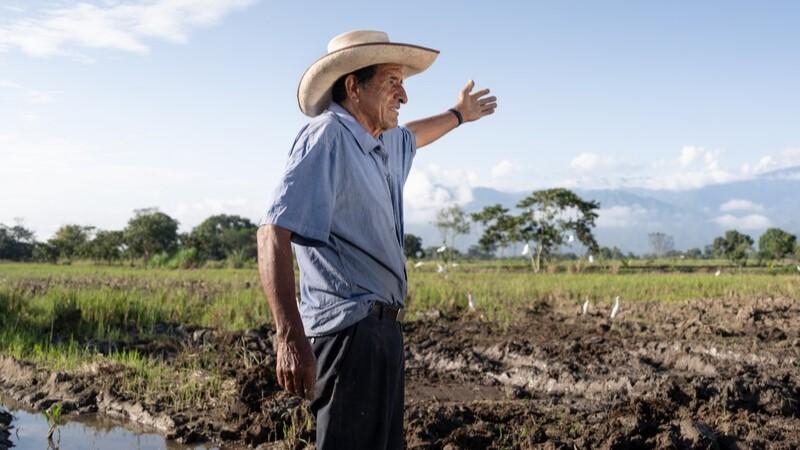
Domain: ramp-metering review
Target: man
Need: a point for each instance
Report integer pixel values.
(340, 203)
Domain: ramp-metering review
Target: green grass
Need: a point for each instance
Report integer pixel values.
(48, 313)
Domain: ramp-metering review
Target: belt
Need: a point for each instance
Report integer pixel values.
(384, 311)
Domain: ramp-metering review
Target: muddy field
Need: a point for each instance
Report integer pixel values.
(707, 374)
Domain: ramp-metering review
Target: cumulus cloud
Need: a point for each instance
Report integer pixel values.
(689, 154)
(695, 167)
(585, 162)
(789, 157)
(620, 216)
(502, 169)
(748, 222)
(111, 25)
(429, 189)
(740, 205)
(591, 162)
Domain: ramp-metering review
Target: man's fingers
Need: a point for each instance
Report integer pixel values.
(468, 87)
(280, 378)
(480, 93)
(486, 100)
(309, 383)
(291, 386)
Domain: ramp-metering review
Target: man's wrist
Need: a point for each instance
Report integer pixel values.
(458, 115)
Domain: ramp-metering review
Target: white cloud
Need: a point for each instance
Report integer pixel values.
(748, 222)
(111, 25)
(585, 162)
(694, 168)
(740, 205)
(429, 189)
(503, 168)
(787, 158)
(620, 216)
(689, 154)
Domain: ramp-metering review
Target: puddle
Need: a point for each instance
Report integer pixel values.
(85, 432)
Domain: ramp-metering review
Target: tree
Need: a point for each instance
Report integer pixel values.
(734, 246)
(222, 236)
(451, 222)
(70, 240)
(694, 253)
(16, 243)
(412, 245)
(776, 244)
(44, 252)
(661, 243)
(501, 229)
(547, 217)
(611, 253)
(106, 246)
(150, 232)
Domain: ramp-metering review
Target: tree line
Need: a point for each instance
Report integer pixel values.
(549, 220)
(545, 222)
(150, 236)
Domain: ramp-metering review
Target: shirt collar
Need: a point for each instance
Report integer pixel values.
(366, 141)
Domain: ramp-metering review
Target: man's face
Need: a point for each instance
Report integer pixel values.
(380, 99)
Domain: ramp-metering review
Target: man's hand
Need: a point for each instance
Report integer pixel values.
(474, 106)
(296, 367)
(471, 106)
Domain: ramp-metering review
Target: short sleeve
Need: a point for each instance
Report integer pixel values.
(305, 198)
(402, 141)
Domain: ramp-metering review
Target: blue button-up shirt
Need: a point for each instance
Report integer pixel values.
(341, 196)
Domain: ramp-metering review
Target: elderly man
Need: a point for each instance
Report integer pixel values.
(340, 202)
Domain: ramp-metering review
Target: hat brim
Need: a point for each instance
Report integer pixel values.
(314, 90)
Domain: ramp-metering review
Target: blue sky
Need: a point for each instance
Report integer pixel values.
(189, 105)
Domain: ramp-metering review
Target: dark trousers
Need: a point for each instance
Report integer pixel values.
(359, 396)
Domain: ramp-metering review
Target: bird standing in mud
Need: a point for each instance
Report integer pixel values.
(470, 302)
(585, 307)
(615, 309)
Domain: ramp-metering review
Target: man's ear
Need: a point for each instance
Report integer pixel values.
(351, 87)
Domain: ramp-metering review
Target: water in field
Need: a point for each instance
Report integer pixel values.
(84, 433)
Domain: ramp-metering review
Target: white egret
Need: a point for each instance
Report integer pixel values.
(585, 307)
(591, 259)
(526, 249)
(716, 274)
(615, 309)
(571, 239)
(441, 249)
(470, 302)
(439, 268)
(419, 264)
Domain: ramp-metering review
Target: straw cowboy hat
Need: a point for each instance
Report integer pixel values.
(349, 52)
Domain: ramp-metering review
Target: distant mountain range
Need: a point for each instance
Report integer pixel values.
(693, 217)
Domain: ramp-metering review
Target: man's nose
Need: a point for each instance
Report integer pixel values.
(402, 96)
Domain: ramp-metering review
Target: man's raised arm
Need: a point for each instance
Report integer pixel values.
(295, 365)
(470, 106)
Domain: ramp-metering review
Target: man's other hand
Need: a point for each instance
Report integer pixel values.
(474, 106)
(296, 366)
